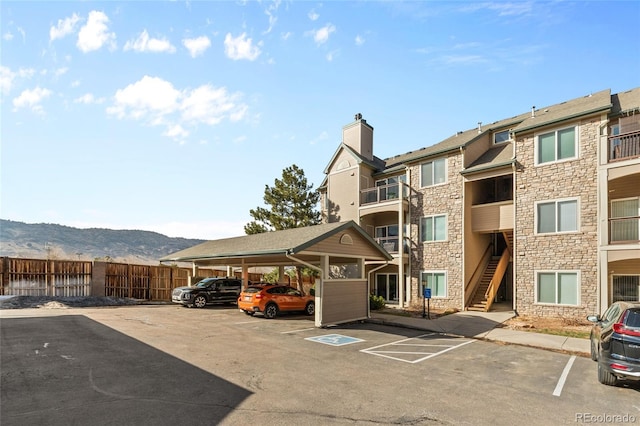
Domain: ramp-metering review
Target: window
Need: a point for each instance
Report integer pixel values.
(433, 228)
(389, 189)
(436, 281)
(501, 137)
(556, 146)
(558, 288)
(387, 237)
(433, 172)
(626, 288)
(387, 286)
(625, 220)
(557, 216)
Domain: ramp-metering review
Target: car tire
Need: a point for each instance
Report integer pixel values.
(200, 301)
(310, 309)
(606, 377)
(271, 311)
(594, 351)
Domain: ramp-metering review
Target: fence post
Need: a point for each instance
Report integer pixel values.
(98, 279)
(4, 274)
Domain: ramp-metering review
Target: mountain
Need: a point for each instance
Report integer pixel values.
(44, 240)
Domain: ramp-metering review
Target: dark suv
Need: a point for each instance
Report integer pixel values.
(207, 292)
(615, 342)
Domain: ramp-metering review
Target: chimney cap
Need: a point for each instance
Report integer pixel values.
(358, 116)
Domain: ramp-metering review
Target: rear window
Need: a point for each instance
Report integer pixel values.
(633, 318)
(252, 290)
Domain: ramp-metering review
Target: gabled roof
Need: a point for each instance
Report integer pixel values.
(376, 164)
(596, 102)
(270, 244)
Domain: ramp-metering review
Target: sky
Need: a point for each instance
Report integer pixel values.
(173, 116)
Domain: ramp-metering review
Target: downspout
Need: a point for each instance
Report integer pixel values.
(464, 231)
(514, 267)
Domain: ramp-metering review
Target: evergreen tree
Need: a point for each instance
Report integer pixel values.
(291, 203)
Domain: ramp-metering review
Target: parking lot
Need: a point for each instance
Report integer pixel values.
(174, 365)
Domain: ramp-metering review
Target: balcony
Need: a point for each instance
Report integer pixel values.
(492, 217)
(624, 146)
(391, 244)
(624, 230)
(383, 193)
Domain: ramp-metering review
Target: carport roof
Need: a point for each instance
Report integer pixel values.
(270, 247)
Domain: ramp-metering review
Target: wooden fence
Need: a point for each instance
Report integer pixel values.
(39, 277)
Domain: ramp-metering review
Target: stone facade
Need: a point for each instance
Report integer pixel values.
(439, 255)
(571, 251)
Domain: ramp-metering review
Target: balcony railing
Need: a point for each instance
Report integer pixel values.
(391, 244)
(383, 193)
(624, 230)
(624, 146)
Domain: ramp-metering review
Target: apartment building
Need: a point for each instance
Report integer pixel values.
(540, 211)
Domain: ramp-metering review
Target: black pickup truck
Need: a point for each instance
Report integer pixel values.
(208, 291)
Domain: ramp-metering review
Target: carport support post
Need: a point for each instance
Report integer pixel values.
(324, 272)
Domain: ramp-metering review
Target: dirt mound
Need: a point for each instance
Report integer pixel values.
(50, 302)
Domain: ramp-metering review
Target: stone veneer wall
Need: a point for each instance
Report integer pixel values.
(571, 251)
(445, 255)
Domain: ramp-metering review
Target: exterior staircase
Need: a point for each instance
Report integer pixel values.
(479, 300)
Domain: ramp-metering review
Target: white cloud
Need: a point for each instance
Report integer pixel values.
(196, 46)
(313, 15)
(321, 36)
(60, 71)
(95, 33)
(359, 40)
(146, 44)
(65, 27)
(240, 48)
(157, 102)
(31, 99)
(151, 96)
(88, 99)
(8, 77)
(8, 36)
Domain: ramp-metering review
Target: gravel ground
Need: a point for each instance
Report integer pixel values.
(50, 302)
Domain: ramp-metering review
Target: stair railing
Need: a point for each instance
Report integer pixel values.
(494, 285)
(472, 284)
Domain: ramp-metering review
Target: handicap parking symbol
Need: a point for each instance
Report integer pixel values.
(334, 339)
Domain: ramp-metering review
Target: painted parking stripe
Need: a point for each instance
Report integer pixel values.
(563, 378)
(334, 339)
(298, 331)
(416, 349)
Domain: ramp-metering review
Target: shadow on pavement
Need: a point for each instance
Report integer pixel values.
(72, 370)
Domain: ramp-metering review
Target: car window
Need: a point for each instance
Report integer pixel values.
(252, 289)
(633, 318)
(204, 283)
(276, 290)
(293, 292)
(611, 314)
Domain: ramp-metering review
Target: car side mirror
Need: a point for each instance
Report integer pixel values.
(593, 318)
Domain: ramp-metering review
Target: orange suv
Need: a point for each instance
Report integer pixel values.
(271, 300)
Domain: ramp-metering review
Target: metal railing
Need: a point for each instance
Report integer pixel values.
(624, 229)
(391, 244)
(624, 146)
(384, 193)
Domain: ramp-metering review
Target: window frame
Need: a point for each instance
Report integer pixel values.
(434, 295)
(509, 138)
(557, 272)
(556, 202)
(432, 162)
(576, 145)
(446, 228)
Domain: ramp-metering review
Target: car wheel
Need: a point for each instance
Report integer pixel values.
(594, 351)
(250, 313)
(310, 309)
(605, 377)
(200, 301)
(270, 311)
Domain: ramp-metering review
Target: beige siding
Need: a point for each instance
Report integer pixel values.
(333, 245)
(492, 217)
(344, 301)
(343, 195)
(625, 267)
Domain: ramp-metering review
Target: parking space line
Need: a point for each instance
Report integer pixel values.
(377, 350)
(298, 331)
(563, 377)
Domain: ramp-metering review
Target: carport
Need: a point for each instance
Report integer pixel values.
(338, 251)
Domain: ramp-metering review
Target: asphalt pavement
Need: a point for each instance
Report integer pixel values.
(485, 326)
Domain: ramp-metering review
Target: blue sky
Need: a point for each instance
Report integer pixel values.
(173, 116)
